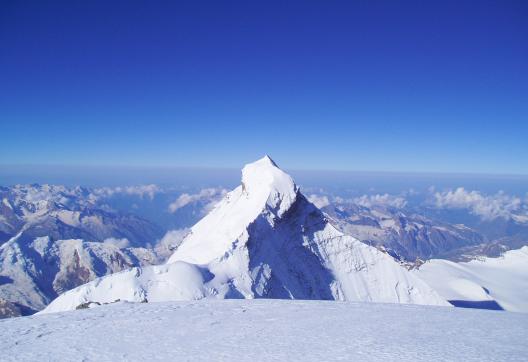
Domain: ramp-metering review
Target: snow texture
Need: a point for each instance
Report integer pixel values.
(266, 330)
(503, 280)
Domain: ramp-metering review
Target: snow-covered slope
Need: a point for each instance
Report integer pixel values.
(263, 240)
(266, 330)
(502, 280)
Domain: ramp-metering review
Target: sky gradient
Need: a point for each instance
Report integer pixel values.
(436, 87)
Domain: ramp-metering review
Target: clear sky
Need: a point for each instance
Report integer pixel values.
(356, 85)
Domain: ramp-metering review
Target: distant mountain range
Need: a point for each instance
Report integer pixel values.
(29, 211)
(405, 236)
(423, 232)
(54, 238)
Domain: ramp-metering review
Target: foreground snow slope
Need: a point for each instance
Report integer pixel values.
(266, 330)
(503, 280)
(263, 240)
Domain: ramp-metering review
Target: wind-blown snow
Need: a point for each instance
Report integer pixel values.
(503, 279)
(263, 240)
(266, 330)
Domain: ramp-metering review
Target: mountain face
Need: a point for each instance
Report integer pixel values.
(406, 236)
(263, 240)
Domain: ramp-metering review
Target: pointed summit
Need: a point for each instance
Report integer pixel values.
(265, 190)
(264, 181)
(269, 159)
(265, 162)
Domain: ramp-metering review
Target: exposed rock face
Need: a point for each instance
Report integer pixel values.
(8, 309)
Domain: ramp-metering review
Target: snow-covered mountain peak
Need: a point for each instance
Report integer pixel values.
(265, 191)
(265, 181)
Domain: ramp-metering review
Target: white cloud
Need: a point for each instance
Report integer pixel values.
(411, 192)
(491, 207)
(120, 243)
(341, 200)
(211, 194)
(318, 200)
(173, 238)
(365, 200)
(380, 200)
(141, 190)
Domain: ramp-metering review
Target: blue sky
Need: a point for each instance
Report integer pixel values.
(413, 86)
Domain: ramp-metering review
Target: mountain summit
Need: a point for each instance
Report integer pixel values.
(265, 191)
(264, 239)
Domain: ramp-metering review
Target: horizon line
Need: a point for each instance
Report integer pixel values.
(219, 168)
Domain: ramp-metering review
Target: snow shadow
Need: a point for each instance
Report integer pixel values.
(481, 304)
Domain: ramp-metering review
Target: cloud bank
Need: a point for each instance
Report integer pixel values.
(212, 195)
(173, 238)
(119, 243)
(319, 200)
(364, 200)
(490, 207)
(141, 190)
(380, 200)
